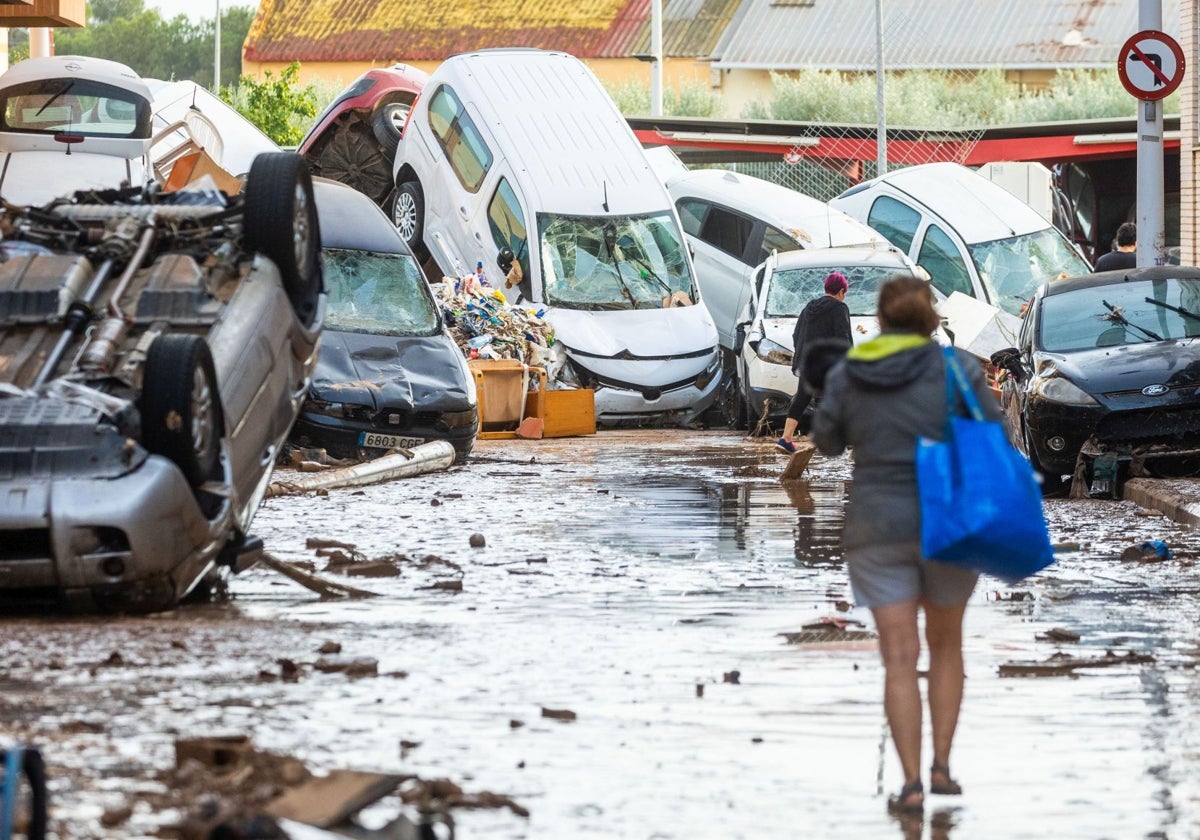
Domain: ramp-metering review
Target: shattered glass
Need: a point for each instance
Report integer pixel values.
(1013, 269)
(377, 293)
(791, 289)
(614, 262)
(1120, 313)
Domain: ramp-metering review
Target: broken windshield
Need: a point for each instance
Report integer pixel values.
(1013, 269)
(792, 288)
(382, 294)
(614, 262)
(1120, 313)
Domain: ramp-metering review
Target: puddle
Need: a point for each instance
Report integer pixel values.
(622, 572)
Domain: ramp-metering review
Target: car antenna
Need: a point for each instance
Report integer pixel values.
(828, 225)
(605, 204)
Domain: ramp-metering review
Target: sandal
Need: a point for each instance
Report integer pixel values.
(949, 787)
(910, 799)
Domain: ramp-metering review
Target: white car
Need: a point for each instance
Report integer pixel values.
(783, 286)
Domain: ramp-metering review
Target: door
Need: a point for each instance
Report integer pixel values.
(720, 240)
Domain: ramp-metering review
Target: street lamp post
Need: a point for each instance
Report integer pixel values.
(217, 51)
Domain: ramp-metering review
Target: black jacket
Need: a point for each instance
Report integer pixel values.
(823, 317)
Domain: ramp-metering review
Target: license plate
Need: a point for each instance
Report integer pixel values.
(388, 441)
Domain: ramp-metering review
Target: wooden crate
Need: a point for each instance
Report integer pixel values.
(564, 413)
(500, 385)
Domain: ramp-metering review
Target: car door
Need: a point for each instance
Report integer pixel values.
(720, 239)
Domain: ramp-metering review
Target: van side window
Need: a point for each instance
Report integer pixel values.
(506, 219)
(943, 262)
(776, 240)
(469, 156)
(691, 215)
(897, 222)
(727, 230)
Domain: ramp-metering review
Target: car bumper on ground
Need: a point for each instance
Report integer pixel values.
(136, 543)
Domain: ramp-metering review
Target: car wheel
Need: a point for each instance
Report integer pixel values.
(752, 414)
(181, 407)
(408, 212)
(280, 222)
(387, 122)
(349, 156)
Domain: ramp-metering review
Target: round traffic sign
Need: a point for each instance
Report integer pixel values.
(1151, 65)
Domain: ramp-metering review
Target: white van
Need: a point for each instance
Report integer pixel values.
(971, 235)
(519, 156)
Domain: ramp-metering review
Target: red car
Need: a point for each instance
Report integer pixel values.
(354, 140)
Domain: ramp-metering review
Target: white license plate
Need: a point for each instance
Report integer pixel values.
(388, 441)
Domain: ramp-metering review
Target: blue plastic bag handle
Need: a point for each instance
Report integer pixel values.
(956, 383)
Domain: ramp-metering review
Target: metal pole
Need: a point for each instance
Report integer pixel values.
(217, 51)
(656, 66)
(1149, 159)
(880, 105)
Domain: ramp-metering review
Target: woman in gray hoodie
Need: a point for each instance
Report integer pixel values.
(887, 393)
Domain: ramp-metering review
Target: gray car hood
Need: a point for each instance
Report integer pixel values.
(419, 372)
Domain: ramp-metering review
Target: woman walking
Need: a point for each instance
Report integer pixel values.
(889, 392)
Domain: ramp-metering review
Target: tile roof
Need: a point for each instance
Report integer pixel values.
(430, 30)
(946, 34)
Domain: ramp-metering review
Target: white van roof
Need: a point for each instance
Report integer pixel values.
(813, 222)
(553, 120)
(980, 210)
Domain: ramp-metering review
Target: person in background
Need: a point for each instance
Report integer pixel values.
(887, 393)
(824, 317)
(1125, 254)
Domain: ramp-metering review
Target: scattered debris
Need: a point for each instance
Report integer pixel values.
(478, 541)
(1063, 663)
(399, 463)
(531, 428)
(1057, 634)
(734, 677)
(798, 462)
(485, 326)
(325, 588)
(1148, 552)
(329, 800)
(830, 629)
(447, 585)
(350, 666)
(1013, 596)
(440, 794)
(699, 689)
(558, 714)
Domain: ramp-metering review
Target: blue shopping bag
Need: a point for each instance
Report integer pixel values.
(981, 506)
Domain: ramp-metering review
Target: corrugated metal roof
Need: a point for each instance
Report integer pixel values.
(430, 30)
(691, 28)
(943, 34)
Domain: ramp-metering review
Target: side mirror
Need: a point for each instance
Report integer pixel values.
(505, 259)
(739, 338)
(1009, 359)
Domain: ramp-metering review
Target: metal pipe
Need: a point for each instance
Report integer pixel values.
(656, 64)
(435, 455)
(880, 103)
(143, 248)
(79, 315)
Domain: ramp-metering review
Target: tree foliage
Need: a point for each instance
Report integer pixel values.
(691, 99)
(128, 32)
(938, 99)
(277, 105)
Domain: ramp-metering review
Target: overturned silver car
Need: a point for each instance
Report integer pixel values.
(155, 348)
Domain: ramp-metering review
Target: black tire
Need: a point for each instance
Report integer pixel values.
(387, 121)
(408, 214)
(181, 410)
(280, 222)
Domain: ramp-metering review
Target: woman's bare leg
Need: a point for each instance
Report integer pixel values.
(943, 634)
(900, 645)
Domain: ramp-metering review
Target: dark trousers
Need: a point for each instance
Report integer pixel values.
(799, 404)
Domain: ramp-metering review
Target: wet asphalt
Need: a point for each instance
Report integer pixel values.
(626, 577)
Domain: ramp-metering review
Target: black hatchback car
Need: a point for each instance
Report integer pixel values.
(388, 374)
(1105, 382)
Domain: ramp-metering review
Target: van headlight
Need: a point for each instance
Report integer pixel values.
(711, 371)
(1059, 390)
(772, 353)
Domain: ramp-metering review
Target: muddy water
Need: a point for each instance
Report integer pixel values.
(622, 572)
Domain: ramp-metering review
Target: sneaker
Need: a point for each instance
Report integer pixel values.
(784, 445)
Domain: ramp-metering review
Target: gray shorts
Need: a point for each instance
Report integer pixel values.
(885, 574)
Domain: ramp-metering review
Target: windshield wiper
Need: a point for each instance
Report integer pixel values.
(1119, 316)
(1187, 313)
(55, 97)
(610, 244)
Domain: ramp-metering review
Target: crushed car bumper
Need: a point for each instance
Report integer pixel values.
(137, 542)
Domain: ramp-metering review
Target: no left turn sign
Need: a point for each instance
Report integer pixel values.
(1151, 65)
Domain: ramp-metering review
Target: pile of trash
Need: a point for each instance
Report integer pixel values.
(485, 326)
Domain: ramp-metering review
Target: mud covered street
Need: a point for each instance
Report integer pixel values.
(642, 582)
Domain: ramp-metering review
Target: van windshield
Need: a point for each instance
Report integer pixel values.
(614, 262)
(1013, 269)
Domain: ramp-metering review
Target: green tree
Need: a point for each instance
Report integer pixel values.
(277, 105)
